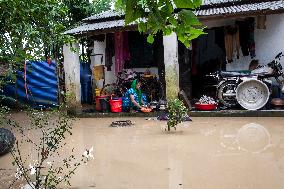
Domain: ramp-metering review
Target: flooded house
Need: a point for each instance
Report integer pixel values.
(238, 33)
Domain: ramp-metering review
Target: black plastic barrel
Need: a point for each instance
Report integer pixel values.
(105, 107)
(86, 83)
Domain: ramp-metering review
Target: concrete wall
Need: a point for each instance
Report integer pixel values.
(99, 48)
(72, 75)
(171, 65)
(268, 42)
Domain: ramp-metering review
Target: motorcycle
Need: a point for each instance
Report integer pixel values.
(250, 90)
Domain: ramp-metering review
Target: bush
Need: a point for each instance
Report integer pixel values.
(177, 113)
(48, 168)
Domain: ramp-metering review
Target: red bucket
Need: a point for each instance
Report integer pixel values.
(205, 107)
(115, 105)
(98, 104)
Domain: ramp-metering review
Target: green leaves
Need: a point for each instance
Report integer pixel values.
(177, 113)
(101, 5)
(134, 11)
(188, 18)
(30, 27)
(153, 16)
(150, 39)
(183, 4)
(33, 29)
(188, 4)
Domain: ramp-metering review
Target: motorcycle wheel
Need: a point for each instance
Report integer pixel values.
(227, 94)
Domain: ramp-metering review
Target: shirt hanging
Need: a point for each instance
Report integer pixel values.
(232, 42)
(121, 50)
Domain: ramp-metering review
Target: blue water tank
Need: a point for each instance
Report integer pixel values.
(86, 83)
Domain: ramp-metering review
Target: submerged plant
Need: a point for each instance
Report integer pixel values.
(177, 113)
(45, 167)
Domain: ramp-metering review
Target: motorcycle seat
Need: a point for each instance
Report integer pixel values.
(234, 74)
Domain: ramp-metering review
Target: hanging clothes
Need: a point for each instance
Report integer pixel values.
(251, 25)
(232, 42)
(126, 52)
(244, 37)
(109, 51)
(247, 42)
(122, 53)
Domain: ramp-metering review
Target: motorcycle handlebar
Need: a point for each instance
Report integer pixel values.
(279, 55)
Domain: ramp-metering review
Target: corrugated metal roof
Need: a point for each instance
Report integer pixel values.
(112, 13)
(214, 2)
(106, 14)
(211, 11)
(96, 26)
(272, 5)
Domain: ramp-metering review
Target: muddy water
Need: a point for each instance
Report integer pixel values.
(211, 153)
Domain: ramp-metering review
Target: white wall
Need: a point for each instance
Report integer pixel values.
(171, 65)
(99, 48)
(268, 42)
(72, 73)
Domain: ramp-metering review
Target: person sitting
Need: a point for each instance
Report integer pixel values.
(133, 98)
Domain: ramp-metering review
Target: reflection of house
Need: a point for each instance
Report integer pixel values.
(260, 25)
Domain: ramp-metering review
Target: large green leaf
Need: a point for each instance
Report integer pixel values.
(188, 17)
(150, 39)
(161, 17)
(133, 11)
(184, 4)
(187, 4)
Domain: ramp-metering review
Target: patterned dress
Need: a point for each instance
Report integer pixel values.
(126, 101)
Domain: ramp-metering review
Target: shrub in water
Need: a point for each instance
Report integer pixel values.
(177, 113)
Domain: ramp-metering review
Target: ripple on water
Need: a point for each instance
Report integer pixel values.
(253, 138)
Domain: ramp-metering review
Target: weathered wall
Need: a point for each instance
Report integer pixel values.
(99, 48)
(72, 75)
(269, 42)
(171, 65)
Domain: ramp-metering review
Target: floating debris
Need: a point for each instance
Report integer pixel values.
(126, 123)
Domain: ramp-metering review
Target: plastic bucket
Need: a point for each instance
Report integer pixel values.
(98, 104)
(105, 106)
(98, 92)
(115, 105)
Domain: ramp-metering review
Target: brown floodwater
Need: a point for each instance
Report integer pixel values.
(208, 153)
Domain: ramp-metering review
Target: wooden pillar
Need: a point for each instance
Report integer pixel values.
(72, 76)
(171, 66)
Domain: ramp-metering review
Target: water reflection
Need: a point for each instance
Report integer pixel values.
(251, 137)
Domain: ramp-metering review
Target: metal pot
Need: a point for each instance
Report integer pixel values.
(252, 94)
(162, 105)
(154, 105)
